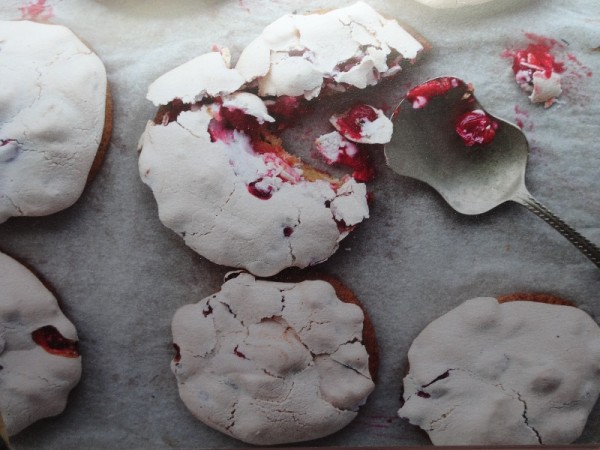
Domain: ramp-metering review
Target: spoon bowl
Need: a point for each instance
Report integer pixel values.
(473, 179)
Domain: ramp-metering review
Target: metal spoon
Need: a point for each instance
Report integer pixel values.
(473, 180)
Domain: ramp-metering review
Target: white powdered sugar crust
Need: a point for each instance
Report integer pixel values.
(514, 373)
(202, 191)
(34, 382)
(346, 47)
(53, 97)
(271, 363)
(217, 170)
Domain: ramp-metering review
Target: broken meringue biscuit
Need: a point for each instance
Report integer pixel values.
(274, 362)
(341, 49)
(518, 370)
(213, 156)
(537, 71)
(39, 359)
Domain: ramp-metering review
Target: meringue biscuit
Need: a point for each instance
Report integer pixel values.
(39, 359)
(445, 4)
(274, 362)
(55, 118)
(522, 369)
(213, 158)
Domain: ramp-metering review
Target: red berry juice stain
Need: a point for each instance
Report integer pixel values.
(583, 69)
(476, 128)
(360, 163)
(50, 339)
(38, 10)
(522, 119)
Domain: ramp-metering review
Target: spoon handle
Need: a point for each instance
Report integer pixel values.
(584, 245)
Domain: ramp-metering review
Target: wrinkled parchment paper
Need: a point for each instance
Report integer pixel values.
(121, 275)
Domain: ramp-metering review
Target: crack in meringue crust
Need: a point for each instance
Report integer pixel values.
(52, 117)
(271, 363)
(215, 162)
(495, 374)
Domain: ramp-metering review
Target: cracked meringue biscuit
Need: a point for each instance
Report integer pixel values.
(213, 156)
(39, 359)
(521, 369)
(55, 118)
(274, 362)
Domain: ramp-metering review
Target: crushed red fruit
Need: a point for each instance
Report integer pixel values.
(50, 339)
(287, 231)
(351, 123)
(260, 193)
(476, 128)
(421, 95)
(363, 168)
(287, 110)
(536, 57)
(238, 120)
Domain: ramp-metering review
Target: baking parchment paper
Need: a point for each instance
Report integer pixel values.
(121, 274)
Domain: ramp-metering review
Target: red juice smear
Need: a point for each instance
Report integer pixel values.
(522, 119)
(360, 163)
(38, 10)
(586, 70)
